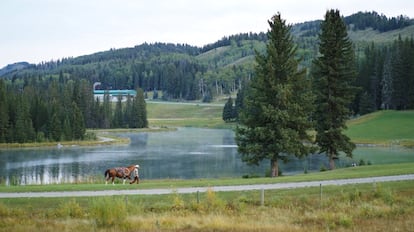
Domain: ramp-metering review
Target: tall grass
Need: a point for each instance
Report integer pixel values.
(108, 211)
(367, 207)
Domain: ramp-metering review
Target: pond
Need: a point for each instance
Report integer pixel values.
(187, 153)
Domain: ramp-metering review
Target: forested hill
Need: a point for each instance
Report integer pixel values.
(187, 72)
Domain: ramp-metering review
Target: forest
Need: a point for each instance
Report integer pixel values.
(54, 101)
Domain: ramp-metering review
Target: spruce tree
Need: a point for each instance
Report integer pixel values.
(4, 112)
(67, 129)
(275, 116)
(334, 75)
(118, 115)
(55, 128)
(139, 111)
(228, 110)
(78, 123)
(128, 112)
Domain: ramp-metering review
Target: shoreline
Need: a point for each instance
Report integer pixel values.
(102, 139)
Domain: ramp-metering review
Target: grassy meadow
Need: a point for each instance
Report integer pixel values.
(161, 114)
(383, 127)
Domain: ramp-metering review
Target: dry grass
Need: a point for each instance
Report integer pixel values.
(379, 207)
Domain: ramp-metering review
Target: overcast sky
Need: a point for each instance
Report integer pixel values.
(42, 30)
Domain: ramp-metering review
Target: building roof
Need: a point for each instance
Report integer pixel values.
(116, 92)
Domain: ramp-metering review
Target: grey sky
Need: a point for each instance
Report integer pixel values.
(42, 30)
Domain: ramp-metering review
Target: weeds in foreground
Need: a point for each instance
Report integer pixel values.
(346, 208)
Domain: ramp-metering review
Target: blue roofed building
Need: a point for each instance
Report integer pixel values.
(113, 94)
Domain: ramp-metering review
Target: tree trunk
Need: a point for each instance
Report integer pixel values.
(331, 162)
(274, 168)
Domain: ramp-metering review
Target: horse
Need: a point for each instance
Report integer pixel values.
(120, 172)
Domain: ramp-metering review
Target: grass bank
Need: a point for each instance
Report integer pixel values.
(95, 137)
(345, 173)
(383, 127)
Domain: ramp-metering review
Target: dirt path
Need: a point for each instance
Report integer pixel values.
(204, 189)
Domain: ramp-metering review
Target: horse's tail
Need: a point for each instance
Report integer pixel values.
(106, 173)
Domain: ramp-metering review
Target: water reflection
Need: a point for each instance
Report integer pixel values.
(185, 153)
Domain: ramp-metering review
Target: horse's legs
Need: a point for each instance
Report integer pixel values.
(113, 180)
(124, 181)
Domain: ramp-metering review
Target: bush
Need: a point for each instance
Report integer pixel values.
(90, 136)
(178, 202)
(108, 211)
(70, 209)
(212, 201)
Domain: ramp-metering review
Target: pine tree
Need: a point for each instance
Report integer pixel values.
(275, 117)
(139, 111)
(334, 75)
(118, 115)
(386, 84)
(365, 104)
(228, 110)
(67, 129)
(78, 123)
(55, 128)
(106, 112)
(128, 112)
(239, 101)
(4, 112)
(399, 83)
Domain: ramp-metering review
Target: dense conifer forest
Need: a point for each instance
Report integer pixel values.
(53, 100)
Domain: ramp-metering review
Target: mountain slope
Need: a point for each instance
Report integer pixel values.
(187, 72)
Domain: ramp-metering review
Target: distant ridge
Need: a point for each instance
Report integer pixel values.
(363, 27)
(14, 67)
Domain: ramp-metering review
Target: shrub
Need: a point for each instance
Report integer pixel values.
(70, 209)
(212, 201)
(108, 211)
(90, 136)
(178, 202)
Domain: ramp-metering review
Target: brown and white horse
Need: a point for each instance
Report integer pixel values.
(120, 172)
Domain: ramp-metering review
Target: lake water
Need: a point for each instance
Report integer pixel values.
(188, 153)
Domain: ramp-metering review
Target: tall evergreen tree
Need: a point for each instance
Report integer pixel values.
(128, 111)
(239, 100)
(399, 83)
(275, 117)
(118, 115)
(334, 75)
(55, 128)
(386, 84)
(228, 110)
(4, 112)
(67, 129)
(139, 111)
(78, 123)
(106, 112)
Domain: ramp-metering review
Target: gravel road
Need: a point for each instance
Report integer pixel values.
(290, 185)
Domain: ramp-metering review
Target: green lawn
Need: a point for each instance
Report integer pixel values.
(384, 127)
(170, 114)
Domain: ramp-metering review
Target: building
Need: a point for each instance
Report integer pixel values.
(113, 94)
